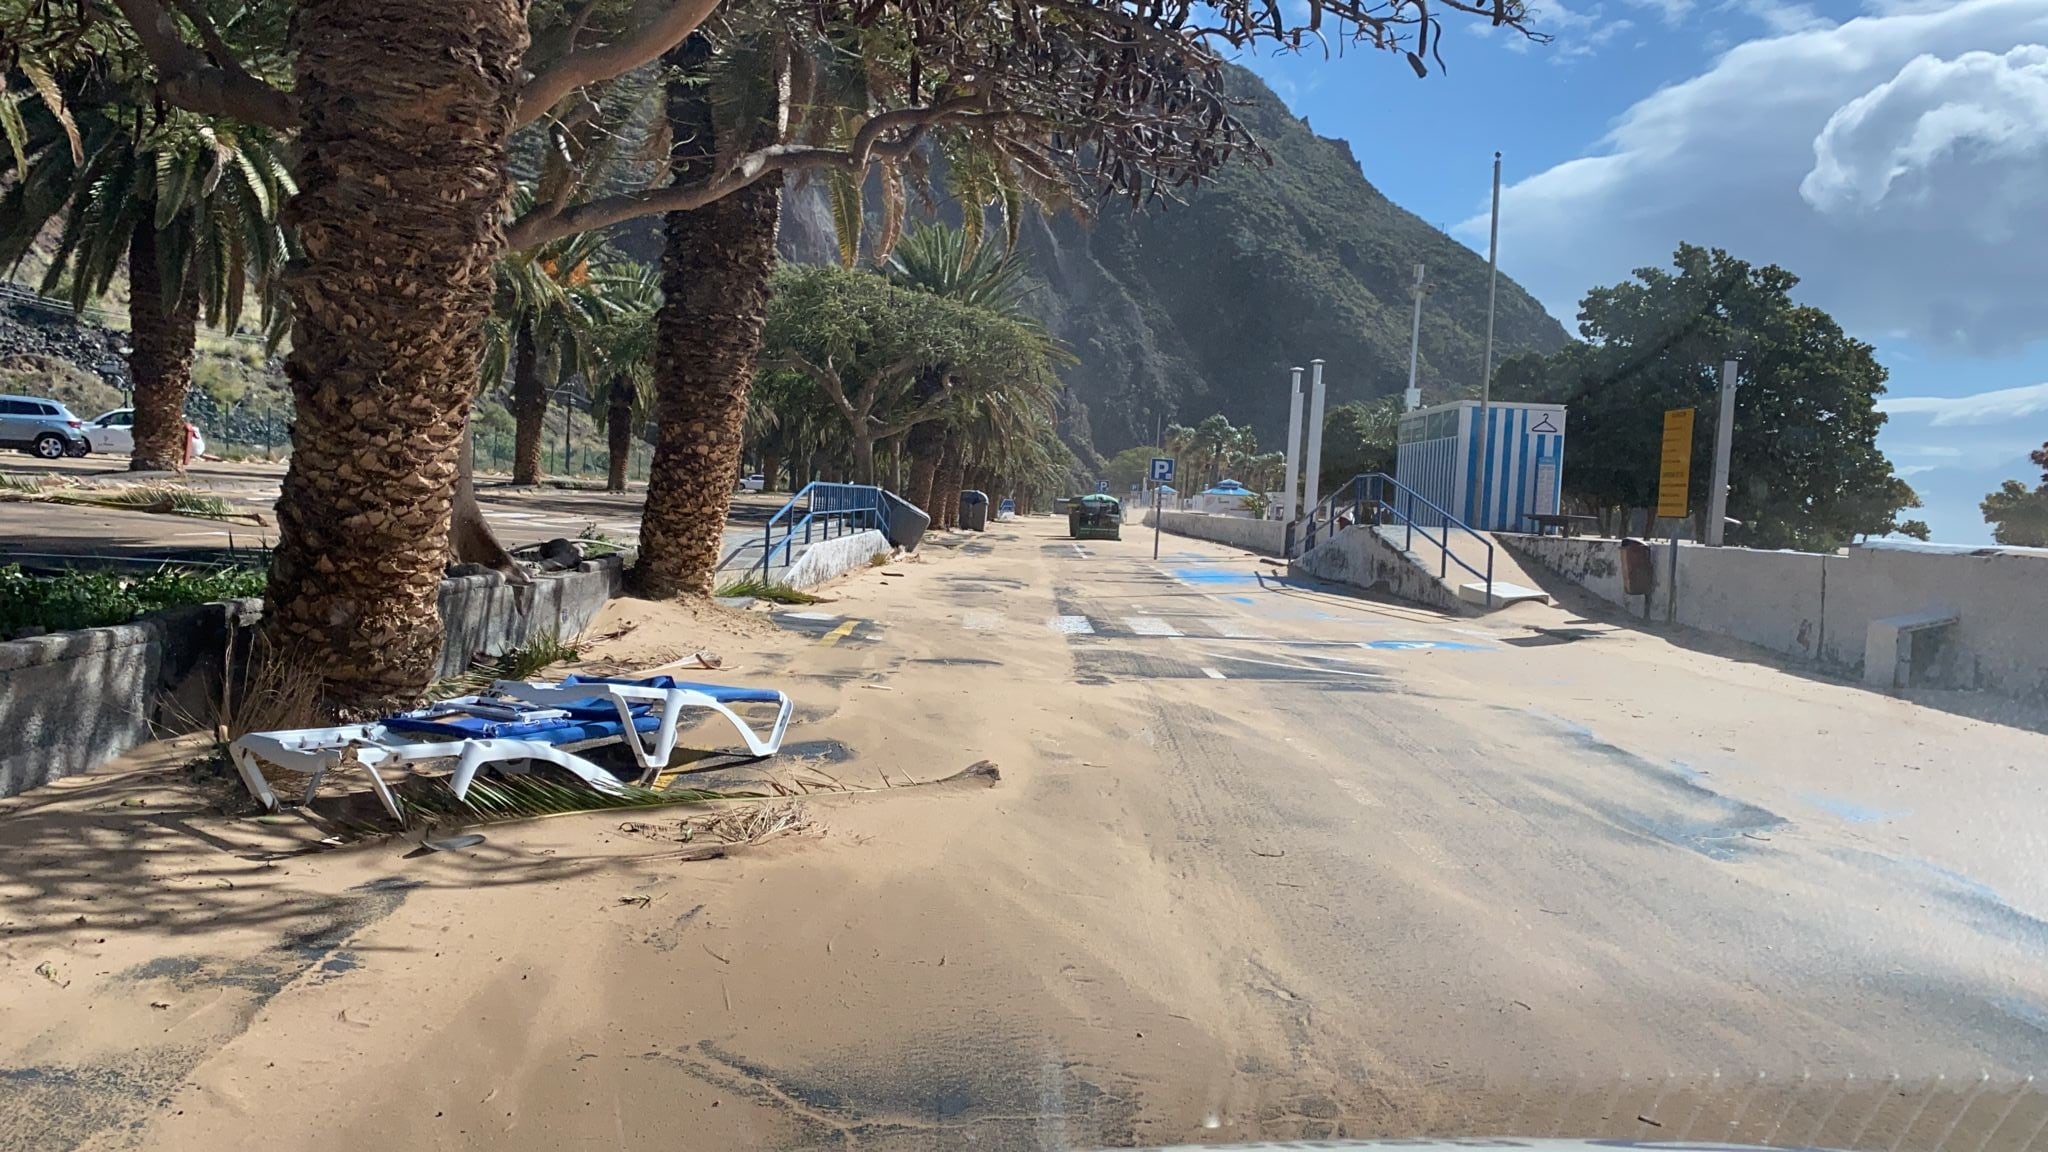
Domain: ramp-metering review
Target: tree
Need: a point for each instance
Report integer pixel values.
(1130, 467)
(953, 264)
(186, 205)
(1805, 470)
(2017, 515)
(1917, 529)
(1358, 438)
(549, 301)
(861, 342)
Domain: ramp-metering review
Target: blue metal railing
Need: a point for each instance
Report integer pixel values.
(822, 511)
(1378, 499)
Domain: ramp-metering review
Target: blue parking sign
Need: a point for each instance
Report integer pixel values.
(1102, 486)
(1162, 469)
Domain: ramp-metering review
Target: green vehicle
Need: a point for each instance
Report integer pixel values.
(1095, 517)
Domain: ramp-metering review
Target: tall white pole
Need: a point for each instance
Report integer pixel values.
(1724, 443)
(1413, 398)
(1486, 378)
(1311, 481)
(1293, 450)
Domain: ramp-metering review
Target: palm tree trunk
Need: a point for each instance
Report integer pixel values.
(618, 430)
(952, 475)
(406, 112)
(714, 278)
(529, 408)
(923, 443)
(771, 463)
(162, 334)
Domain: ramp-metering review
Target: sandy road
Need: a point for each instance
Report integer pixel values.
(1265, 862)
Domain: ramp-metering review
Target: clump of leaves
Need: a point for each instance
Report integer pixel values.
(598, 542)
(761, 589)
(83, 599)
(540, 652)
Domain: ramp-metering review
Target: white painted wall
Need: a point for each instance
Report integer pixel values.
(1266, 537)
(1820, 607)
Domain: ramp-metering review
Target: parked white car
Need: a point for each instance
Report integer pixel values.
(114, 433)
(754, 483)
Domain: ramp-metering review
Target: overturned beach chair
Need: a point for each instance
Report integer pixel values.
(515, 724)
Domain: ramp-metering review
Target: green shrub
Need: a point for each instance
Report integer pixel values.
(97, 599)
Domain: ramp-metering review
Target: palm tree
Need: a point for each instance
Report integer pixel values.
(622, 367)
(715, 268)
(188, 205)
(549, 301)
(950, 263)
(399, 213)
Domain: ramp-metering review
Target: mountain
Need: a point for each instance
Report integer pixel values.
(1180, 310)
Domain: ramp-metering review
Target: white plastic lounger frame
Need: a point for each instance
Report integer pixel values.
(373, 746)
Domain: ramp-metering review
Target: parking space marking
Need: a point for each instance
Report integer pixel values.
(837, 634)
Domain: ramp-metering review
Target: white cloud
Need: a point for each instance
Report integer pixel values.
(1972, 130)
(1673, 11)
(1781, 17)
(1893, 162)
(2001, 406)
(1576, 35)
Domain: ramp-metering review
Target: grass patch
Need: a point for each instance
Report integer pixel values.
(761, 589)
(534, 655)
(98, 599)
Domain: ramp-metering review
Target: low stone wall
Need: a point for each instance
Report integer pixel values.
(827, 559)
(1265, 537)
(1819, 608)
(71, 701)
(1359, 557)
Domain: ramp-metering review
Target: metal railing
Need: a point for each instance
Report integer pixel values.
(823, 511)
(1378, 500)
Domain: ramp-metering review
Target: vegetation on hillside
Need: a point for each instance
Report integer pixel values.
(1202, 307)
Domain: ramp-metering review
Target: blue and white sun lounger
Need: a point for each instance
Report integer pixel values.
(513, 725)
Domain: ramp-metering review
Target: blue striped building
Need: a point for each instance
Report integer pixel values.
(1522, 473)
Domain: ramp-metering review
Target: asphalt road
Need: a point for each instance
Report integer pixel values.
(1266, 862)
(524, 515)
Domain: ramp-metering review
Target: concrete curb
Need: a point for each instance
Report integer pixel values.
(828, 559)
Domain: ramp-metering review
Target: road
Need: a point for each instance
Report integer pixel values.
(522, 515)
(1265, 861)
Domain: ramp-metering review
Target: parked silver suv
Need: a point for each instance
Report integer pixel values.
(42, 428)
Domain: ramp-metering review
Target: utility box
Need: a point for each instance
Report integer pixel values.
(1521, 475)
(974, 510)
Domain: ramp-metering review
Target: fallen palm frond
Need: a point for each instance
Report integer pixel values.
(761, 589)
(751, 824)
(429, 800)
(27, 485)
(163, 499)
(520, 663)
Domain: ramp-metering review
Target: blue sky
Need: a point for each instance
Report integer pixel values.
(1892, 153)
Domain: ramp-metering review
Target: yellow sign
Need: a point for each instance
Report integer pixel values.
(1674, 471)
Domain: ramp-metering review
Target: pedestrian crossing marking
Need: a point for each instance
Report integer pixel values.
(1212, 674)
(1071, 625)
(1150, 626)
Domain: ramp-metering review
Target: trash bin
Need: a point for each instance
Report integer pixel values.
(907, 522)
(974, 510)
(1638, 568)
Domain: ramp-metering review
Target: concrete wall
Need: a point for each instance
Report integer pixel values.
(1358, 557)
(827, 559)
(485, 616)
(71, 701)
(1820, 607)
(1266, 537)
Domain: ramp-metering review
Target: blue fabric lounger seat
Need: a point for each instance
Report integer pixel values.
(534, 721)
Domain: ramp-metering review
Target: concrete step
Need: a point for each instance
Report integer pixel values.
(1504, 593)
